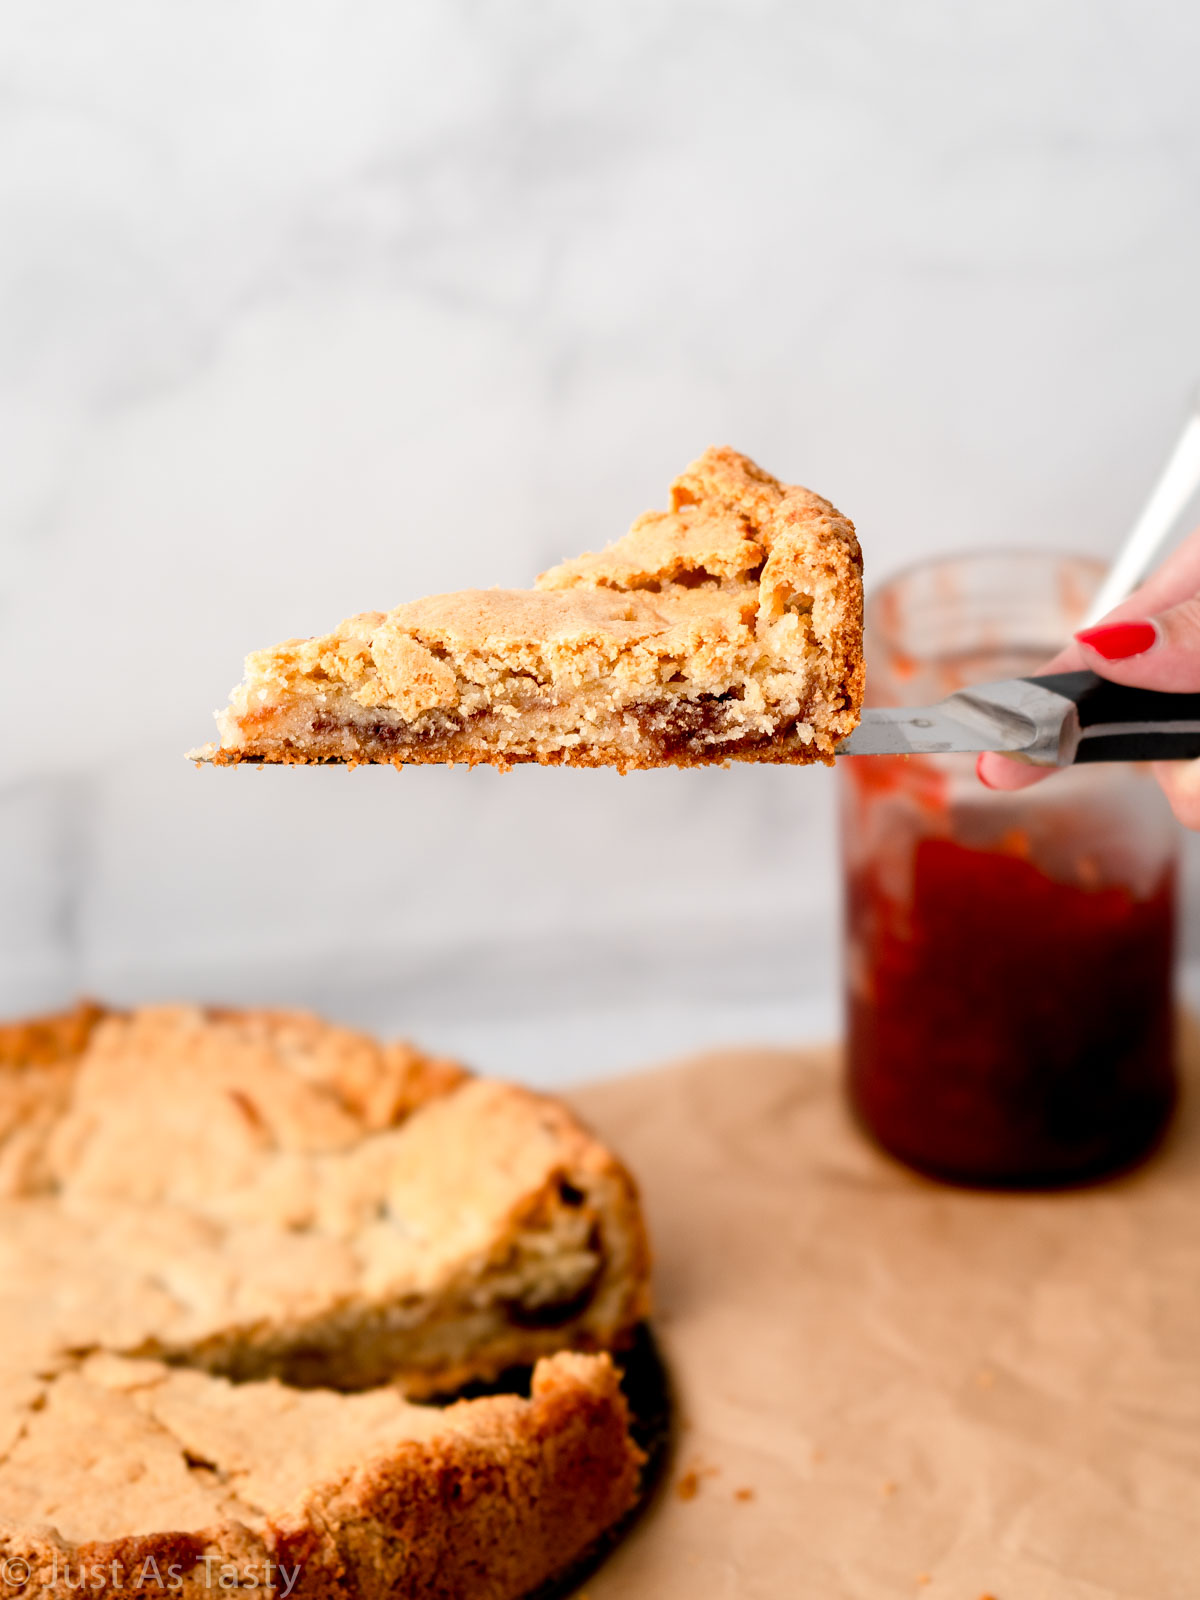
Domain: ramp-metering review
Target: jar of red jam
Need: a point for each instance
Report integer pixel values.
(1009, 957)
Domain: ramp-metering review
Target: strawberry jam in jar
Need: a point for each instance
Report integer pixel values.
(1009, 957)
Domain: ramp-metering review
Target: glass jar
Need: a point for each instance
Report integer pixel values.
(1009, 956)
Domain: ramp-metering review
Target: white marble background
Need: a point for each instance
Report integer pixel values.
(312, 306)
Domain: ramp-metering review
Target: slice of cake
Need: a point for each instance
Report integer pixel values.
(236, 1247)
(727, 627)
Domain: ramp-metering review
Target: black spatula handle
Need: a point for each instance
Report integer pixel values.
(1122, 724)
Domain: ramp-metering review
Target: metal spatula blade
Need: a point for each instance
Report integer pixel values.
(930, 730)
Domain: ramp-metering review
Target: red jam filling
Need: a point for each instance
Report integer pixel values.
(1005, 1028)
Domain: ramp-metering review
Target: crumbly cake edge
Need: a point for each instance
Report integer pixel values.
(428, 1515)
(573, 1473)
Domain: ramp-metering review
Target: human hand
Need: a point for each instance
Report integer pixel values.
(1150, 641)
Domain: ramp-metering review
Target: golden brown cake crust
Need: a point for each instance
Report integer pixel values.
(43, 1041)
(496, 1497)
(567, 1472)
(217, 1195)
(728, 627)
(38, 1061)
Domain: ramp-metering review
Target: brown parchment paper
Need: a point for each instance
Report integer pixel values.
(886, 1387)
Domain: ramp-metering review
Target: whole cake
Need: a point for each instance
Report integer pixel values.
(726, 627)
(236, 1249)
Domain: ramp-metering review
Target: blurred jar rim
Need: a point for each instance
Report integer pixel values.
(939, 624)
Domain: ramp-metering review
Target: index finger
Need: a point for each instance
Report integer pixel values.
(1177, 579)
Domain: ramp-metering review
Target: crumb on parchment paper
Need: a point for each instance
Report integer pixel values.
(687, 1486)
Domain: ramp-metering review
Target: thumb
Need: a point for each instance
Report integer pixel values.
(1159, 652)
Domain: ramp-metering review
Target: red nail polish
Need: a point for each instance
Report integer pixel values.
(979, 772)
(1116, 641)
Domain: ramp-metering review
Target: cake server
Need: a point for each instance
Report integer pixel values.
(1054, 721)
(1169, 499)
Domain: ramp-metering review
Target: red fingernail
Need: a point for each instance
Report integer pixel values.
(979, 772)
(1115, 641)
